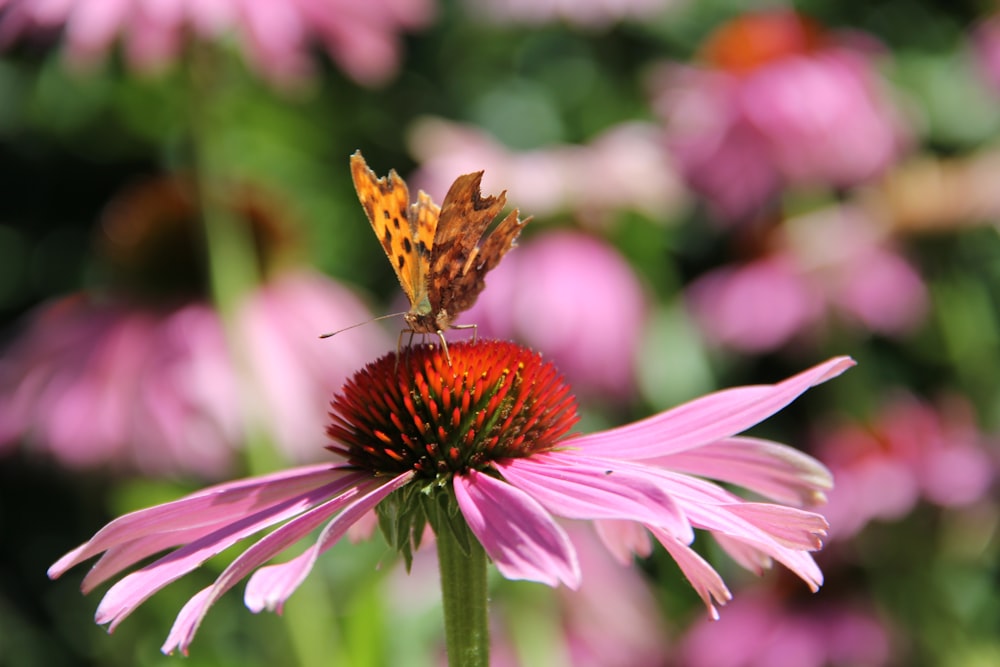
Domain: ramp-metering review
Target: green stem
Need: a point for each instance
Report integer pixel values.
(463, 592)
(232, 254)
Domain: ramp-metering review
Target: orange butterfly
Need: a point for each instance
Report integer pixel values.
(440, 255)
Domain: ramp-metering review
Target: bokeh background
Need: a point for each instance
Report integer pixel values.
(723, 193)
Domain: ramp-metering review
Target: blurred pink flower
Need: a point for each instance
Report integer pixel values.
(613, 619)
(621, 169)
(986, 50)
(575, 297)
(141, 374)
(911, 450)
(776, 103)
(760, 630)
(488, 426)
(362, 37)
(831, 261)
(109, 383)
(589, 13)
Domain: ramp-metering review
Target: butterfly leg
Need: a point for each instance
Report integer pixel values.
(474, 327)
(399, 344)
(444, 346)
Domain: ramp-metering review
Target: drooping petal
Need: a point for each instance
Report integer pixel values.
(749, 558)
(187, 622)
(189, 617)
(713, 417)
(702, 576)
(270, 586)
(623, 539)
(122, 598)
(120, 557)
(771, 469)
(757, 557)
(515, 530)
(796, 531)
(580, 487)
(208, 509)
(792, 527)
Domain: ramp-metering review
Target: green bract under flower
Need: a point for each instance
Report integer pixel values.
(414, 411)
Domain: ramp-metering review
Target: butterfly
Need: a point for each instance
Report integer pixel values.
(441, 255)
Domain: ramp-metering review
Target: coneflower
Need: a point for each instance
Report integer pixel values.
(480, 450)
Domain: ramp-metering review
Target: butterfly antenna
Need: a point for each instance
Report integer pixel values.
(374, 319)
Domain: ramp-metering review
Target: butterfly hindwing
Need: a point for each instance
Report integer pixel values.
(453, 283)
(424, 215)
(386, 201)
(472, 280)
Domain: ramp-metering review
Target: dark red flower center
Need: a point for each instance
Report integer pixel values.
(415, 411)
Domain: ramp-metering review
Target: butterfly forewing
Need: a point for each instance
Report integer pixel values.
(386, 201)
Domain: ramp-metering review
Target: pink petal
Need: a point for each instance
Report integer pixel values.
(207, 508)
(758, 557)
(187, 622)
(578, 487)
(771, 469)
(132, 590)
(189, 616)
(119, 557)
(791, 527)
(713, 417)
(270, 586)
(516, 531)
(702, 576)
(707, 507)
(623, 539)
(749, 558)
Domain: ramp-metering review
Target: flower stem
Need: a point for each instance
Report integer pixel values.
(462, 563)
(233, 270)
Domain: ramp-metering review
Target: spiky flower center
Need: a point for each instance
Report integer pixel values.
(415, 411)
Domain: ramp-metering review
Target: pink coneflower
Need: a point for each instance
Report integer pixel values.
(362, 37)
(141, 376)
(761, 629)
(482, 442)
(622, 168)
(985, 43)
(911, 450)
(544, 296)
(777, 102)
(832, 262)
(612, 619)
